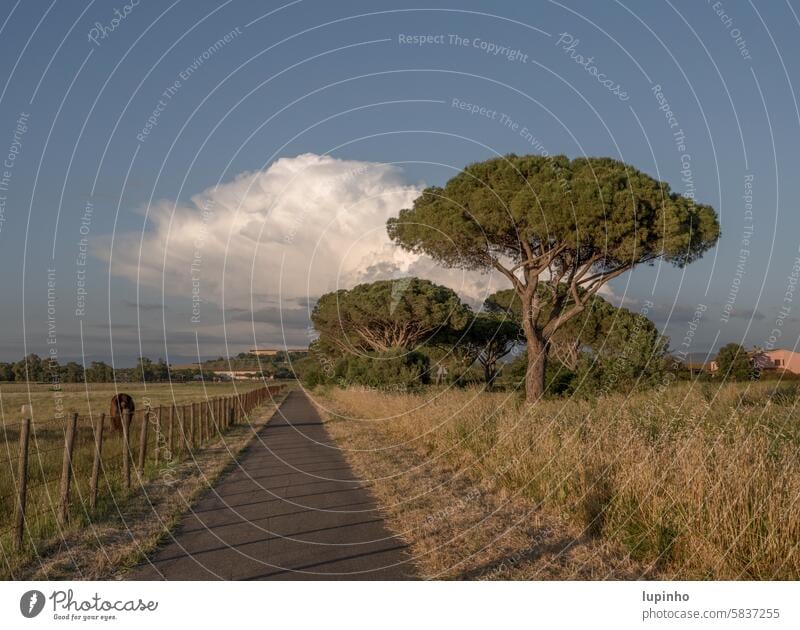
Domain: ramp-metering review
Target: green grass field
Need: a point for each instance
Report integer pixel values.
(96, 397)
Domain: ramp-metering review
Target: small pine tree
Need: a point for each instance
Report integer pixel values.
(733, 363)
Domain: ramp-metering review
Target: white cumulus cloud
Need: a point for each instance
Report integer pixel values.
(303, 226)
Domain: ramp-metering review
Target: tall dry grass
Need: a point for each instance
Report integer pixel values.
(697, 481)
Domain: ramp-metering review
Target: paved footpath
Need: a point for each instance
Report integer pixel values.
(292, 508)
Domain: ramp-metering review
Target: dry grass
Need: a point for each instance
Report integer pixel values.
(107, 544)
(686, 482)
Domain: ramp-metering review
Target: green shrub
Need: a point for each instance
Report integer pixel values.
(395, 370)
(311, 371)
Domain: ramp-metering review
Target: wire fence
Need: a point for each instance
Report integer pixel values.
(52, 474)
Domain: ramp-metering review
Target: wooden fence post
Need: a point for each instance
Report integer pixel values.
(143, 438)
(197, 431)
(171, 421)
(66, 470)
(157, 445)
(98, 454)
(203, 407)
(206, 415)
(183, 430)
(126, 448)
(200, 420)
(22, 476)
(190, 442)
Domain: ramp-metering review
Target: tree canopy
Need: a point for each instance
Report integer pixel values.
(733, 363)
(605, 347)
(387, 314)
(488, 339)
(568, 226)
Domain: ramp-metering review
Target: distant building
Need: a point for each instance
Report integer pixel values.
(240, 375)
(780, 359)
(771, 360)
(696, 369)
(271, 352)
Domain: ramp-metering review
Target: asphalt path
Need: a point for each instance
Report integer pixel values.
(291, 508)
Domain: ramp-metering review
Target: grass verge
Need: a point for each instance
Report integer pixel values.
(687, 482)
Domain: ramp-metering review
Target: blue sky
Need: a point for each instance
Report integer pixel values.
(335, 113)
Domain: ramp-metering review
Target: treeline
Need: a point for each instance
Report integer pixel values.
(35, 369)
(405, 333)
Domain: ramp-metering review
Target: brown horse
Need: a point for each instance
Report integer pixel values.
(120, 405)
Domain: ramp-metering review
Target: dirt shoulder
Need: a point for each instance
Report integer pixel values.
(106, 549)
(460, 528)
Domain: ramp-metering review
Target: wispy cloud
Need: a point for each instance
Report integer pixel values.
(143, 306)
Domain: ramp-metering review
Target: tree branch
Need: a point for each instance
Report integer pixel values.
(518, 286)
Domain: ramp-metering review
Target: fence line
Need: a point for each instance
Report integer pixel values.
(188, 427)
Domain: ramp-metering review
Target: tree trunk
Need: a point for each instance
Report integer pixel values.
(537, 354)
(489, 375)
(537, 363)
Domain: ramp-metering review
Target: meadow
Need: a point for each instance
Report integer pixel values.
(95, 398)
(689, 481)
